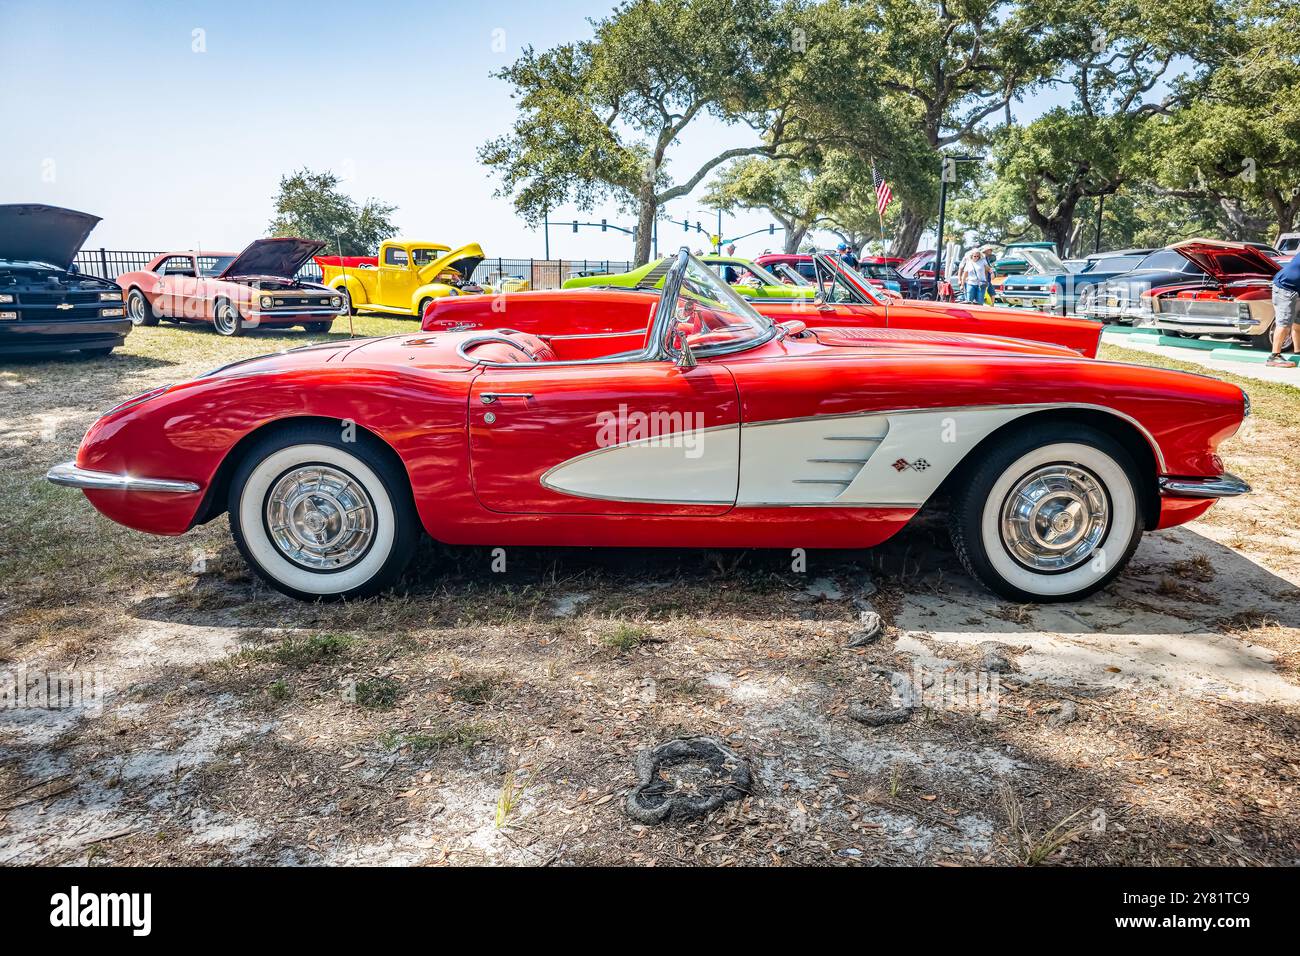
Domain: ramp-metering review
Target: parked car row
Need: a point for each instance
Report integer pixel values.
(47, 305)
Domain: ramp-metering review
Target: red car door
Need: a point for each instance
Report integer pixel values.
(638, 437)
(177, 290)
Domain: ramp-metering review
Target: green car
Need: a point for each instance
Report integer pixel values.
(746, 278)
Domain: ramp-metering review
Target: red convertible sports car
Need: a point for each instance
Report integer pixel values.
(234, 292)
(847, 299)
(710, 426)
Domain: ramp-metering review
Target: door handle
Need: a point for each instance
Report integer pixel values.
(489, 397)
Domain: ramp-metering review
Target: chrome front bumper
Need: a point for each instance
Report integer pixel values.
(70, 475)
(1224, 486)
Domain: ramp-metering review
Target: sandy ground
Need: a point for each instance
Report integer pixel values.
(477, 717)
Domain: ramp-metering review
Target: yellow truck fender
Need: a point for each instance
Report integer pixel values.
(431, 290)
(352, 286)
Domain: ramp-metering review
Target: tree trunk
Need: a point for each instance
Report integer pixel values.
(910, 226)
(647, 209)
(793, 236)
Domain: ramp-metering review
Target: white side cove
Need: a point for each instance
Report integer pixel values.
(887, 459)
(697, 466)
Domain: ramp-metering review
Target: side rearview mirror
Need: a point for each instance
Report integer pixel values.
(685, 357)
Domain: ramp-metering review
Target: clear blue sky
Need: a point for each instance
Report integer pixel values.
(109, 107)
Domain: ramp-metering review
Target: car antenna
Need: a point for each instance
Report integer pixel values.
(338, 241)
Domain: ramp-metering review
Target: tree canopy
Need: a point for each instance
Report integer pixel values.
(309, 204)
(1187, 111)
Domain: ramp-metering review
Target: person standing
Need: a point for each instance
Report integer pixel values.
(977, 277)
(846, 256)
(1286, 295)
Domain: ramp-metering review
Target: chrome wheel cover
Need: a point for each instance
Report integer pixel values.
(1055, 518)
(224, 319)
(135, 308)
(320, 517)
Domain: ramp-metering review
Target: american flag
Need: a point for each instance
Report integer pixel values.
(884, 195)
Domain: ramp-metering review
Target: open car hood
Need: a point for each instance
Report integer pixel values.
(30, 231)
(463, 260)
(1225, 261)
(280, 258)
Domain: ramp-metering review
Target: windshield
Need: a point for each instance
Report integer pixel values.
(856, 289)
(789, 275)
(214, 265)
(919, 263)
(1165, 259)
(748, 274)
(1041, 260)
(1113, 264)
(422, 257)
(710, 315)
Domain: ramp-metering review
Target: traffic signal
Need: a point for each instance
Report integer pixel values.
(602, 225)
(575, 225)
(771, 229)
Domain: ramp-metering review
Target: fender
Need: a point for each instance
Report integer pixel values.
(175, 432)
(431, 290)
(355, 289)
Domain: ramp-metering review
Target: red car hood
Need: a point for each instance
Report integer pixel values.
(1226, 261)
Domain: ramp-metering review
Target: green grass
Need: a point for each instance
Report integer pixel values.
(298, 652)
(446, 737)
(477, 692)
(377, 693)
(625, 637)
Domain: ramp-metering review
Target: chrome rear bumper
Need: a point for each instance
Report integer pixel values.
(1224, 486)
(72, 476)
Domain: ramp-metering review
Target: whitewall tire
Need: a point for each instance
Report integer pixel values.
(317, 517)
(1051, 514)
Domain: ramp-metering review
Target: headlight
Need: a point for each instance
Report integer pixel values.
(111, 313)
(267, 302)
(336, 301)
(6, 299)
(103, 297)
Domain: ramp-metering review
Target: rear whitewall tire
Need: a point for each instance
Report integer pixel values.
(393, 526)
(979, 520)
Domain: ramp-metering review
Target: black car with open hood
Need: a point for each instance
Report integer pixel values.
(46, 305)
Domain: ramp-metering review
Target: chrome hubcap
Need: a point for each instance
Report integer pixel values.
(225, 319)
(136, 306)
(1055, 518)
(320, 517)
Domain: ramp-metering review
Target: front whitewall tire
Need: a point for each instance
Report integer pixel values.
(1097, 486)
(1122, 523)
(375, 488)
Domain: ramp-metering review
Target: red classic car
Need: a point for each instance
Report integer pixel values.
(710, 426)
(233, 291)
(847, 299)
(1234, 298)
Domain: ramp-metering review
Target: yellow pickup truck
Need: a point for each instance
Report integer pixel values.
(405, 277)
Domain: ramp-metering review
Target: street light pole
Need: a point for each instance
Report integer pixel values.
(546, 230)
(1096, 241)
(946, 172)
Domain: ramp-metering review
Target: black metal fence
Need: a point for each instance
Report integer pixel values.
(539, 273)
